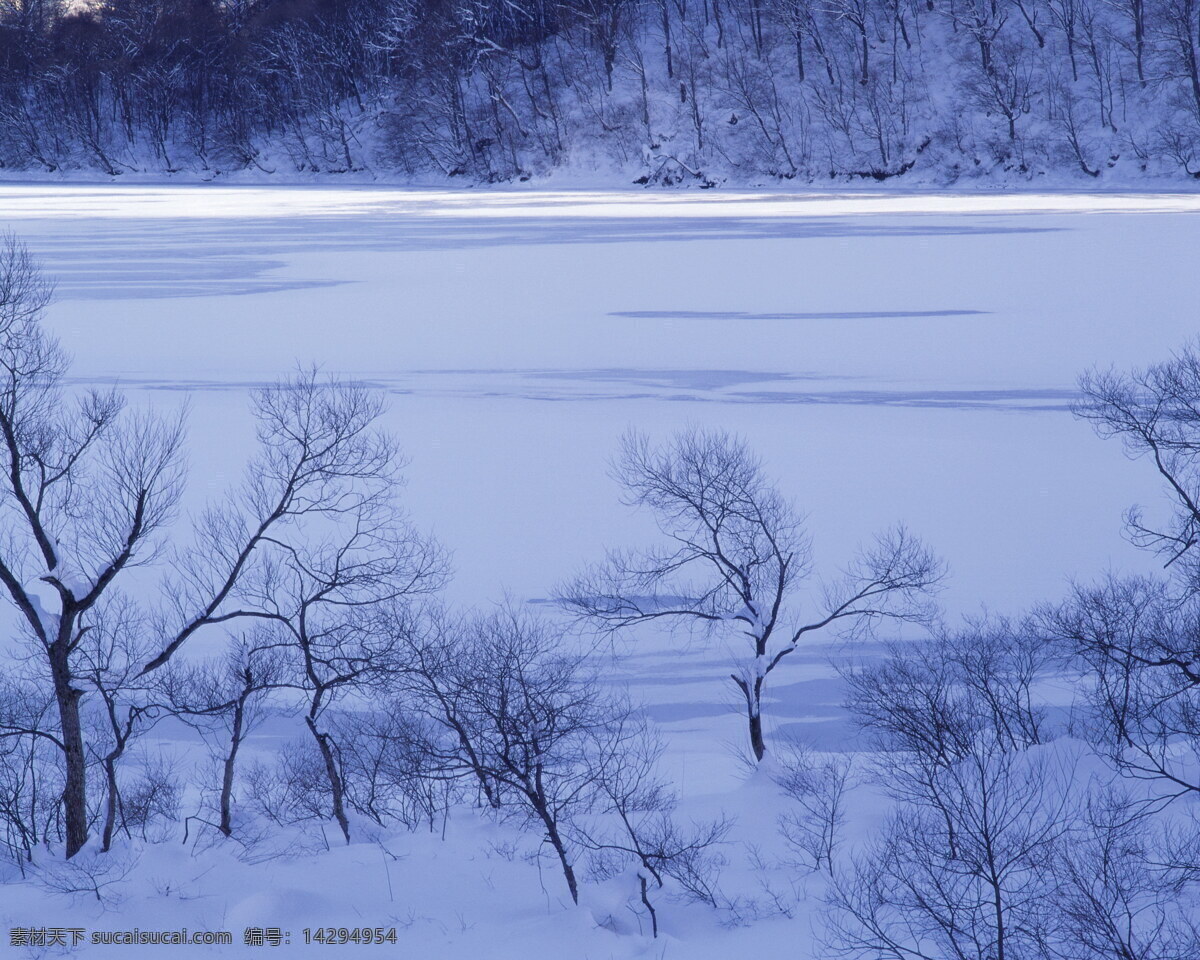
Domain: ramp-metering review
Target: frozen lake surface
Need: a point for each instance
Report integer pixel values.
(893, 358)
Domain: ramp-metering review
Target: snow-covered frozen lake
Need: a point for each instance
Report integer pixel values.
(893, 357)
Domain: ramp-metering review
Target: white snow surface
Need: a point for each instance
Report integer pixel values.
(893, 357)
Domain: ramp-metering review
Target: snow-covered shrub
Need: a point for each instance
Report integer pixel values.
(389, 772)
(150, 800)
(815, 828)
(292, 788)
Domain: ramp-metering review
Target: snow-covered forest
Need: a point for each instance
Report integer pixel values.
(697, 91)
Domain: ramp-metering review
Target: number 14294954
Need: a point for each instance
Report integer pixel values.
(335, 936)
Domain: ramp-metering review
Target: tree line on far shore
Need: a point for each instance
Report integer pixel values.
(660, 91)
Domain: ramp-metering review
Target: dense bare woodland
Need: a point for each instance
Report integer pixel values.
(698, 91)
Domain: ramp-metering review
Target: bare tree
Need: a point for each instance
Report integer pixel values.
(1140, 637)
(108, 667)
(30, 777)
(636, 827)
(389, 772)
(223, 699)
(964, 865)
(322, 603)
(506, 705)
(86, 490)
(1122, 892)
(818, 788)
(935, 695)
(436, 685)
(533, 715)
(329, 545)
(1155, 412)
(505, 90)
(963, 871)
(322, 462)
(1136, 641)
(736, 558)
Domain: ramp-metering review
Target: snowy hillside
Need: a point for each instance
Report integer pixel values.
(607, 92)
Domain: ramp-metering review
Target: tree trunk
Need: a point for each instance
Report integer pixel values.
(111, 803)
(753, 695)
(337, 789)
(649, 906)
(757, 744)
(74, 795)
(666, 26)
(556, 842)
(235, 741)
(1139, 39)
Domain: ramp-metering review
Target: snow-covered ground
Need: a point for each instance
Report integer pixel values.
(893, 357)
